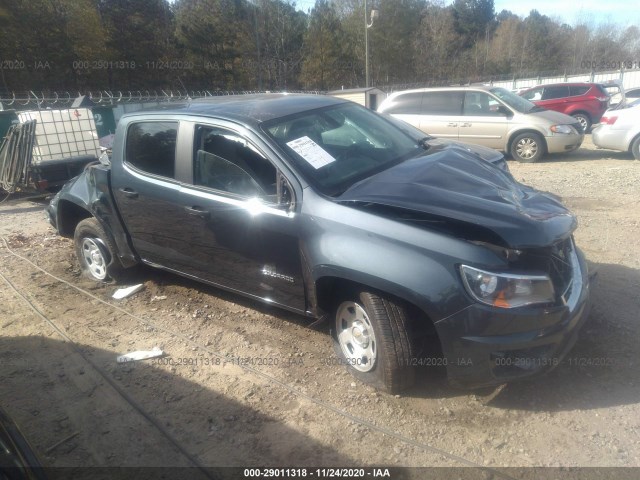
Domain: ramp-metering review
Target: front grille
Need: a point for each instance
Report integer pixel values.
(561, 270)
(555, 261)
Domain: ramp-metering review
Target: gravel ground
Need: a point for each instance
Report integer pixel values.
(296, 408)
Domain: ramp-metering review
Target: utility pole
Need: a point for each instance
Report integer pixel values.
(367, 26)
(366, 46)
(256, 7)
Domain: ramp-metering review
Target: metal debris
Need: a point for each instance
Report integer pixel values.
(140, 355)
(127, 291)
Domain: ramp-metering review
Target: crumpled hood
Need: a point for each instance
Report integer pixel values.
(452, 183)
(485, 153)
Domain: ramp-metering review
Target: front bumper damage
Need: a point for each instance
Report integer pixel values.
(485, 346)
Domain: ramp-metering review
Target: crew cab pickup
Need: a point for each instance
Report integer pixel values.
(413, 247)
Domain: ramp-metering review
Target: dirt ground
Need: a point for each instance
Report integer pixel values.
(292, 406)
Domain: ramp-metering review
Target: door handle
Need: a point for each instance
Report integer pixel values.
(465, 125)
(452, 124)
(197, 212)
(129, 193)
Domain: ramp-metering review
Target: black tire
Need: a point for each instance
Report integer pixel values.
(584, 120)
(96, 253)
(389, 368)
(527, 147)
(635, 148)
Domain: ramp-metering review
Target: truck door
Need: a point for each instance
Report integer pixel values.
(146, 190)
(237, 220)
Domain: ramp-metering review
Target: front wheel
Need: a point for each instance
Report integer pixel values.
(527, 147)
(95, 252)
(373, 340)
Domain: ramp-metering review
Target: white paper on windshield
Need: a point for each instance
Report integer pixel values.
(311, 152)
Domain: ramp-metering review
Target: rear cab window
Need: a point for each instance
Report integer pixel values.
(151, 147)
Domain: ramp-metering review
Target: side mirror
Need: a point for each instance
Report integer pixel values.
(284, 194)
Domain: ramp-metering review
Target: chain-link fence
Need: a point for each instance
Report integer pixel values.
(61, 100)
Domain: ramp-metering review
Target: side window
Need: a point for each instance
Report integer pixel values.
(407, 104)
(442, 103)
(480, 104)
(151, 147)
(225, 161)
(578, 90)
(550, 93)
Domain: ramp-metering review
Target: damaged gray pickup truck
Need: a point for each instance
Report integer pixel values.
(420, 252)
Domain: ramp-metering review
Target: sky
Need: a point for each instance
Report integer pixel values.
(622, 12)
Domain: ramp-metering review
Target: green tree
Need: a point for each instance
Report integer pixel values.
(279, 29)
(324, 62)
(545, 46)
(436, 47)
(505, 44)
(49, 37)
(473, 20)
(216, 36)
(630, 42)
(392, 41)
(580, 39)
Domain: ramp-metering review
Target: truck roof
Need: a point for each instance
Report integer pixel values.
(249, 109)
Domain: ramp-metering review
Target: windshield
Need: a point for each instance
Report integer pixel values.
(520, 104)
(338, 146)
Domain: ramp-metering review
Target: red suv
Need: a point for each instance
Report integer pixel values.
(584, 101)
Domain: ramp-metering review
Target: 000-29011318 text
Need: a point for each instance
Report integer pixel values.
(325, 472)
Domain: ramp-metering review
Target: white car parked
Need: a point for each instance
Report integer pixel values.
(619, 130)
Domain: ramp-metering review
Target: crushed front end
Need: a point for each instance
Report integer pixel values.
(493, 342)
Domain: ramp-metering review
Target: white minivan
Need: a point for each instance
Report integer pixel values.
(489, 116)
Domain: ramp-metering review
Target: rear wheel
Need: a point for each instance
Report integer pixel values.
(95, 252)
(635, 148)
(527, 147)
(585, 121)
(373, 340)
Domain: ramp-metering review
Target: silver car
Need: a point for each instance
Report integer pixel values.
(619, 130)
(489, 116)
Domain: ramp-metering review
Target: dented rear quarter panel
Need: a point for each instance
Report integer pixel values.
(91, 192)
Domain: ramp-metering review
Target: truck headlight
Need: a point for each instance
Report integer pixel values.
(507, 290)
